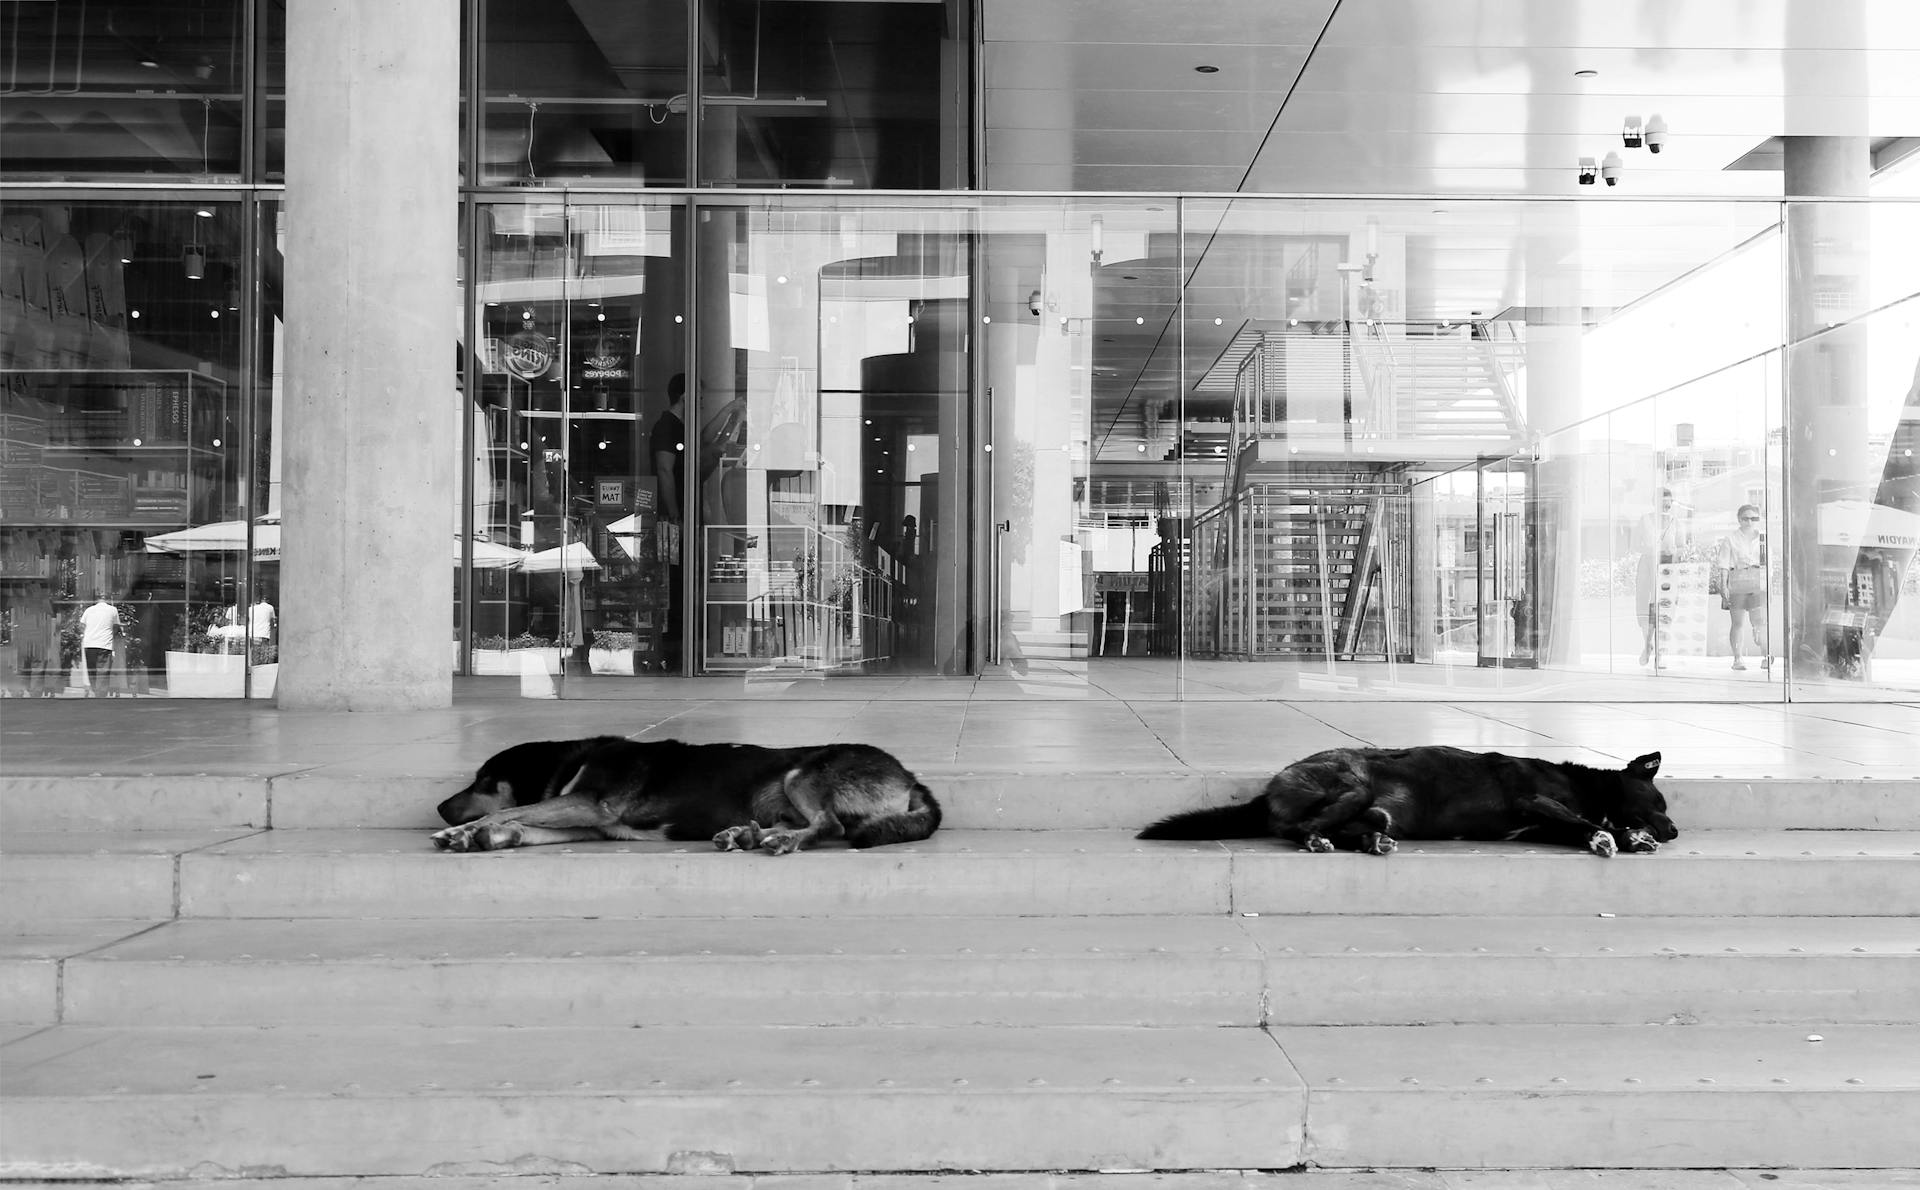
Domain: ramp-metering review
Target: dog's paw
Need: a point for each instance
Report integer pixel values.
(1641, 841)
(1602, 844)
(780, 842)
(478, 836)
(1319, 843)
(1379, 844)
(738, 838)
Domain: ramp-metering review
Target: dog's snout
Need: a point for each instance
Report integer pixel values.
(457, 809)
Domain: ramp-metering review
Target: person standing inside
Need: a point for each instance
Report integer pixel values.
(1742, 556)
(667, 445)
(99, 629)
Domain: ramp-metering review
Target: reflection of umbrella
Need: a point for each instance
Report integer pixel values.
(1858, 523)
(221, 536)
(231, 537)
(489, 555)
(573, 558)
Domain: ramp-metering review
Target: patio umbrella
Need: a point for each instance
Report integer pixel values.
(574, 558)
(221, 537)
(231, 537)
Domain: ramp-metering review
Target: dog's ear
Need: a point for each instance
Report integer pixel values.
(1644, 767)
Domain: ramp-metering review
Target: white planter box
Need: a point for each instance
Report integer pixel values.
(216, 675)
(506, 663)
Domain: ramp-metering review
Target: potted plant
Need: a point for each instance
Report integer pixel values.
(502, 656)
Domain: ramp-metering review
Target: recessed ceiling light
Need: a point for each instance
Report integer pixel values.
(1207, 69)
(1129, 277)
(1586, 74)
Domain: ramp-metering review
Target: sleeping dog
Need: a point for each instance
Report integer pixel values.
(1363, 799)
(742, 796)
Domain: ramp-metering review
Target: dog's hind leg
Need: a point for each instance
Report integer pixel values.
(809, 802)
(1368, 833)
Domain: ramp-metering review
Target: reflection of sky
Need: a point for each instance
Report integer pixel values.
(1681, 341)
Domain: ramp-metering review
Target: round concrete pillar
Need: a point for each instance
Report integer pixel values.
(1826, 455)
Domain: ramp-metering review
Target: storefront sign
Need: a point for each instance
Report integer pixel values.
(605, 367)
(528, 354)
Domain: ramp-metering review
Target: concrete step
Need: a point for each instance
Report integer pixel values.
(1036, 797)
(397, 874)
(164, 1103)
(1230, 1179)
(294, 1102)
(1161, 971)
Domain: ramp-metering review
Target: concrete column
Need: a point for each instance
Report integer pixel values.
(371, 418)
(1827, 459)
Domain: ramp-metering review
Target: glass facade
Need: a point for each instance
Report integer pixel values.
(752, 387)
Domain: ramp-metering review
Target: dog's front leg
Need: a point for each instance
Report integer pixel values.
(569, 818)
(1561, 825)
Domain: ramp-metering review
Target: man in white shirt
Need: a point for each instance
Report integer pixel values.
(99, 627)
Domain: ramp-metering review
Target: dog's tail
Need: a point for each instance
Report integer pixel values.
(920, 819)
(1242, 820)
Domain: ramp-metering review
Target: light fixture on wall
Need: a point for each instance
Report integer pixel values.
(1096, 232)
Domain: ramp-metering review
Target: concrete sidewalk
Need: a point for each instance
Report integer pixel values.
(1823, 741)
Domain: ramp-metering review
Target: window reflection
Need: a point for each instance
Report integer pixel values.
(126, 433)
(123, 90)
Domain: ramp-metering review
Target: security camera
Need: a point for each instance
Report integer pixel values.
(1610, 168)
(1034, 303)
(1586, 171)
(1656, 133)
(1630, 134)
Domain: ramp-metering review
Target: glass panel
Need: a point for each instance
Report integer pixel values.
(1853, 399)
(122, 498)
(584, 91)
(832, 475)
(1437, 431)
(122, 90)
(1091, 498)
(574, 545)
(830, 94)
(270, 87)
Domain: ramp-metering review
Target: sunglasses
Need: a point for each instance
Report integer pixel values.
(1749, 518)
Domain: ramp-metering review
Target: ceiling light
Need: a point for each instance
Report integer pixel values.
(150, 62)
(1206, 70)
(1586, 74)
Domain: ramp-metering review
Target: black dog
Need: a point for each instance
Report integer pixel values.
(1362, 799)
(742, 796)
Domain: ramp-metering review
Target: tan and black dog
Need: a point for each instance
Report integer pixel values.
(742, 796)
(1363, 799)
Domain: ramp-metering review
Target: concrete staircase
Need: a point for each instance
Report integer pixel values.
(278, 977)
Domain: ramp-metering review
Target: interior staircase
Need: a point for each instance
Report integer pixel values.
(1289, 557)
(278, 978)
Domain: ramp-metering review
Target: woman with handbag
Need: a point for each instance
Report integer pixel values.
(1741, 556)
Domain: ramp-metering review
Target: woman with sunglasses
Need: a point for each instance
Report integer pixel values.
(1742, 555)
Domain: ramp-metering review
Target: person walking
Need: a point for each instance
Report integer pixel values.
(99, 629)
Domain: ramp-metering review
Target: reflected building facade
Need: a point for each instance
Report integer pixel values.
(736, 364)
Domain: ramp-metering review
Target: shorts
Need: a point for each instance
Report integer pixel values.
(1745, 601)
